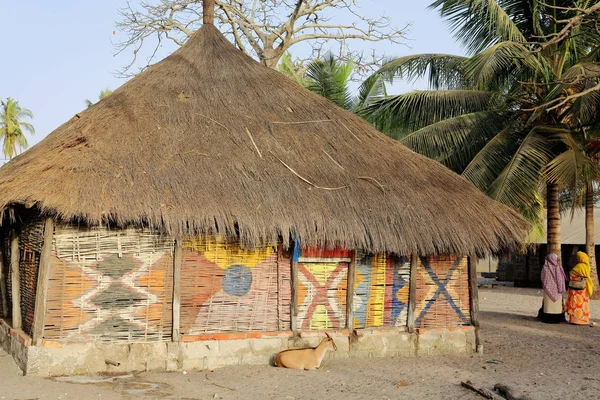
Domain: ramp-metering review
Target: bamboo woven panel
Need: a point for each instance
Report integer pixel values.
(30, 246)
(110, 285)
(284, 268)
(227, 288)
(322, 290)
(7, 270)
(381, 287)
(442, 298)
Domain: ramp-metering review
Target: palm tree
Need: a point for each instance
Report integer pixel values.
(103, 93)
(330, 78)
(506, 115)
(582, 182)
(12, 127)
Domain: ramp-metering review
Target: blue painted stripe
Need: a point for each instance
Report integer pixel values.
(441, 289)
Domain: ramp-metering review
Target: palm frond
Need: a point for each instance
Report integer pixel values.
(572, 167)
(492, 158)
(450, 140)
(415, 110)
(104, 93)
(479, 24)
(287, 67)
(521, 177)
(28, 127)
(371, 89)
(329, 78)
(443, 71)
(24, 113)
(498, 65)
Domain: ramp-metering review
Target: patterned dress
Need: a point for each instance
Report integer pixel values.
(578, 305)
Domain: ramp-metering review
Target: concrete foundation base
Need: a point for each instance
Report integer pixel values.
(214, 351)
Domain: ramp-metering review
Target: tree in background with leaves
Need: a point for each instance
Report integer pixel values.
(13, 128)
(516, 115)
(330, 77)
(103, 94)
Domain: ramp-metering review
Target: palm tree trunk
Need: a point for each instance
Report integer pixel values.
(590, 245)
(553, 220)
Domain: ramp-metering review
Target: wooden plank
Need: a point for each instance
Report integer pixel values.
(15, 280)
(324, 260)
(294, 301)
(3, 291)
(412, 293)
(350, 292)
(474, 301)
(177, 260)
(41, 295)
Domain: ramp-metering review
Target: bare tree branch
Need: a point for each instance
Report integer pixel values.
(263, 29)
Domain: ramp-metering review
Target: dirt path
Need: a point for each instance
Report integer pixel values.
(542, 361)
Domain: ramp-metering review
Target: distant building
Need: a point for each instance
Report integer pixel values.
(525, 269)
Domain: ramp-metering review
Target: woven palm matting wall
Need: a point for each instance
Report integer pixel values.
(6, 271)
(31, 238)
(110, 285)
(381, 290)
(442, 297)
(227, 288)
(322, 290)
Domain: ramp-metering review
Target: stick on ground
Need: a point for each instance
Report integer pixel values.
(508, 393)
(488, 394)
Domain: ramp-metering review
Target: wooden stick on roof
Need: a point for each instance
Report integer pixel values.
(208, 12)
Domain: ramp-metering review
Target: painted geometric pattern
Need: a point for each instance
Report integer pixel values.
(442, 297)
(381, 291)
(322, 290)
(110, 286)
(227, 288)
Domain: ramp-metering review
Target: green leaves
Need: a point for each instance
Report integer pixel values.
(329, 78)
(103, 93)
(521, 176)
(443, 71)
(479, 24)
(415, 110)
(514, 114)
(455, 141)
(502, 65)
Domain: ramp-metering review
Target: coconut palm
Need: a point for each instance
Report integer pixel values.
(330, 78)
(512, 116)
(103, 94)
(12, 127)
(582, 182)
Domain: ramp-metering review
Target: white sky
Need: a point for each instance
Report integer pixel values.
(57, 53)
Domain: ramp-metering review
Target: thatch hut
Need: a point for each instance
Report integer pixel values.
(211, 211)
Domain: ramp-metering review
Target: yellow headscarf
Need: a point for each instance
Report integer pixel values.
(582, 268)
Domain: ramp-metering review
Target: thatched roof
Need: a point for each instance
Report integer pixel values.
(208, 140)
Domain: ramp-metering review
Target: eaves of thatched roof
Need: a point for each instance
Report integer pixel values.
(208, 140)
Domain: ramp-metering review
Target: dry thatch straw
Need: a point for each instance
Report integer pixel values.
(208, 140)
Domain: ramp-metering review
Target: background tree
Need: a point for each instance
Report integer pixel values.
(103, 94)
(330, 78)
(263, 29)
(12, 127)
(507, 115)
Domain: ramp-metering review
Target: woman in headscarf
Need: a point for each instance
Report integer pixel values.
(553, 282)
(578, 301)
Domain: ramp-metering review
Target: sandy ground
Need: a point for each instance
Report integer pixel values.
(541, 361)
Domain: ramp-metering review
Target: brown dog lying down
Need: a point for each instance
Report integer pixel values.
(305, 358)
